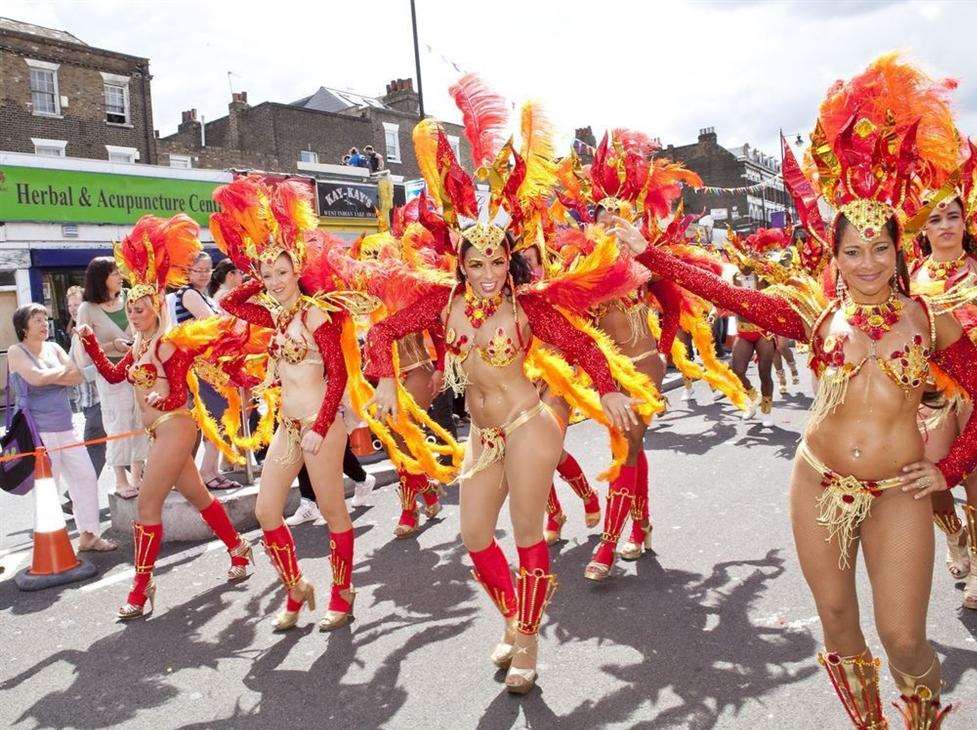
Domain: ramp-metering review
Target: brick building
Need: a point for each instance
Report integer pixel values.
(316, 130)
(733, 167)
(61, 97)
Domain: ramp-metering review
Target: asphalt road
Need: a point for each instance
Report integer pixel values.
(716, 630)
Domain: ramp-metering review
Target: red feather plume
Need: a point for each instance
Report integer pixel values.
(485, 117)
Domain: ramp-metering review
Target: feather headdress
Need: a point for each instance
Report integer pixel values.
(881, 139)
(260, 220)
(156, 254)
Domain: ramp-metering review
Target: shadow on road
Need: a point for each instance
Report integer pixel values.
(694, 635)
(127, 671)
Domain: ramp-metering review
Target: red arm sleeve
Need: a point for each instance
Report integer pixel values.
(550, 326)
(236, 303)
(770, 313)
(425, 314)
(670, 299)
(175, 369)
(327, 339)
(113, 373)
(958, 362)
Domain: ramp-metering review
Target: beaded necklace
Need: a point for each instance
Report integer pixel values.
(873, 319)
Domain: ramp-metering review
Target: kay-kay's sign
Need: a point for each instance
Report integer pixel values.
(347, 200)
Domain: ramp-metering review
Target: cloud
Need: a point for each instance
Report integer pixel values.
(746, 68)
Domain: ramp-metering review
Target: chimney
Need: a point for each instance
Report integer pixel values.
(402, 97)
(239, 104)
(189, 125)
(707, 135)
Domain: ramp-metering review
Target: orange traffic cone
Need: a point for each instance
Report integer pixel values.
(54, 562)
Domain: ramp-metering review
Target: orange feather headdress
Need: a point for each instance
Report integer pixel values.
(260, 220)
(156, 254)
(881, 139)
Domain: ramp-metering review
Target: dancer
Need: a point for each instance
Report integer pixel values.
(490, 320)
(860, 476)
(152, 257)
(422, 377)
(948, 265)
(268, 230)
(568, 468)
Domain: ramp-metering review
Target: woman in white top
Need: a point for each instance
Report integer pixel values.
(104, 310)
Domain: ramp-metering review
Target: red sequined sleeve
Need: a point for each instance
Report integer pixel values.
(769, 313)
(175, 368)
(236, 303)
(958, 361)
(114, 373)
(670, 300)
(425, 314)
(327, 339)
(550, 326)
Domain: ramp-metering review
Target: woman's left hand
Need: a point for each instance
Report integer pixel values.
(922, 477)
(311, 442)
(630, 235)
(618, 408)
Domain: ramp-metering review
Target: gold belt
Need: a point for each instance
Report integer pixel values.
(492, 439)
(845, 501)
(151, 428)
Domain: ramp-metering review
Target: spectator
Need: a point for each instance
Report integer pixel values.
(85, 394)
(346, 159)
(41, 374)
(356, 159)
(104, 310)
(374, 160)
(193, 302)
(225, 277)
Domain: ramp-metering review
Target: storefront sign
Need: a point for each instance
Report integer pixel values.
(347, 200)
(72, 196)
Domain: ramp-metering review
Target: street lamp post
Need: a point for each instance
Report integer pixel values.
(417, 60)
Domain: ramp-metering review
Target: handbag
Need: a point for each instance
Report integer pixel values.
(17, 475)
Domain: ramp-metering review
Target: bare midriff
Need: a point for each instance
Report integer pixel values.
(495, 394)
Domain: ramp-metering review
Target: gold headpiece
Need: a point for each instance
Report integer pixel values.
(867, 216)
(156, 254)
(485, 237)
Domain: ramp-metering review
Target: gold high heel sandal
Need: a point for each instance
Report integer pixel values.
(288, 619)
(520, 681)
(597, 571)
(631, 551)
(553, 536)
(238, 573)
(337, 619)
(502, 655)
(433, 510)
(130, 611)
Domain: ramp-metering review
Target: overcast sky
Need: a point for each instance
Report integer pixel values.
(667, 68)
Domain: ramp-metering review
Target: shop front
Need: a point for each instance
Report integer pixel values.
(57, 214)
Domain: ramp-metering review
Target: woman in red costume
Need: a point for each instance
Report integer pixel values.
(625, 180)
(154, 256)
(422, 377)
(268, 230)
(948, 265)
(568, 468)
(490, 319)
(860, 476)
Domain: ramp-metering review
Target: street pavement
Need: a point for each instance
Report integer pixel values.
(715, 630)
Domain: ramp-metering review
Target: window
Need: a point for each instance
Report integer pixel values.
(49, 147)
(308, 156)
(182, 161)
(44, 88)
(116, 98)
(127, 155)
(455, 145)
(391, 134)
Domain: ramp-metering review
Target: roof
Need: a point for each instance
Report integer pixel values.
(333, 100)
(18, 26)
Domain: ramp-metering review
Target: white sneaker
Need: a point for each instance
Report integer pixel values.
(361, 491)
(308, 511)
(767, 421)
